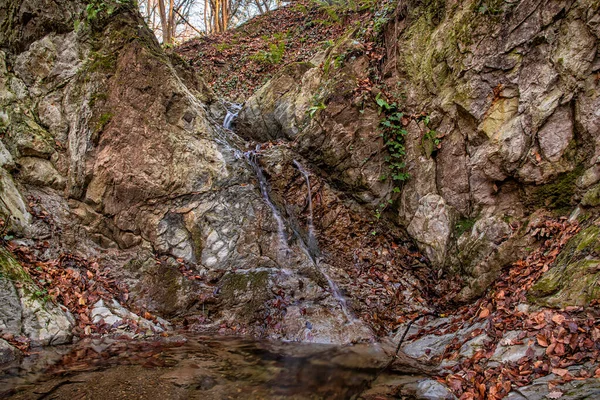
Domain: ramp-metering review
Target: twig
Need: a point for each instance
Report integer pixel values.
(190, 25)
(56, 387)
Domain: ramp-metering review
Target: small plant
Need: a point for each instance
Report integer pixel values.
(95, 7)
(312, 111)
(103, 121)
(381, 208)
(273, 56)
(464, 225)
(223, 46)
(393, 134)
(338, 62)
(41, 294)
(432, 140)
(327, 44)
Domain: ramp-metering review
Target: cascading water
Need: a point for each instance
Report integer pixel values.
(264, 190)
(311, 247)
(232, 112)
(312, 243)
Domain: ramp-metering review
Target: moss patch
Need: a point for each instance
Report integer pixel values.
(575, 279)
(11, 269)
(463, 225)
(250, 288)
(556, 195)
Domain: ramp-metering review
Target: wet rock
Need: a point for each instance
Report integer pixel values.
(114, 314)
(8, 353)
(429, 389)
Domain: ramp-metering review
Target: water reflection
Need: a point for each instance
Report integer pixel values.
(192, 368)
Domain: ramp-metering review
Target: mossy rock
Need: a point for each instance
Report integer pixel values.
(575, 279)
(11, 269)
(556, 195)
(250, 288)
(591, 198)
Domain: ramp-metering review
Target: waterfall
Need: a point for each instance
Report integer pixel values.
(312, 242)
(264, 190)
(232, 112)
(311, 247)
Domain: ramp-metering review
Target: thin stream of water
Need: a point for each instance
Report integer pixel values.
(232, 112)
(264, 189)
(311, 247)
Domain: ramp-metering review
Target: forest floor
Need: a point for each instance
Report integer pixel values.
(237, 62)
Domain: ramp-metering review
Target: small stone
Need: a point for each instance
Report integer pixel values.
(433, 390)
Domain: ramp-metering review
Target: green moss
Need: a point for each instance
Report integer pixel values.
(255, 284)
(98, 96)
(11, 269)
(575, 278)
(556, 195)
(103, 62)
(591, 198)
(575, 284)
(104, 120)
(463, 225)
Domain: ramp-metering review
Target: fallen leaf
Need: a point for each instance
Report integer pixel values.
(555, 394)
(560, 371)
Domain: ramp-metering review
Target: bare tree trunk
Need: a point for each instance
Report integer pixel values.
(171, 23)
(260, 9)
(205, 21)
(163, 22)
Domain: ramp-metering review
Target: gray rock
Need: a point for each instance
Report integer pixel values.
(114, 314)
(10, 308)
(429, 389)
(507, 351)
(40, 172)
(575, 56)
(556, 134)
(44, 322)
(432, 226)
(8, 353)
(574, 390)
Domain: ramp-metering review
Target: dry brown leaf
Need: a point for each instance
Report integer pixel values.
(555, 394)
(560, 371)
(542, 341)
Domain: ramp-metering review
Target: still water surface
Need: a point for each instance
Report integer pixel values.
(192, 368)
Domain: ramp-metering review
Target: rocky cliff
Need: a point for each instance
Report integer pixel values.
(401, 170)
(498, 106)
(116, 172)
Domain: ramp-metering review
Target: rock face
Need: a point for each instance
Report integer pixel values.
(120, 150)
(510, 99)
(25, 312)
